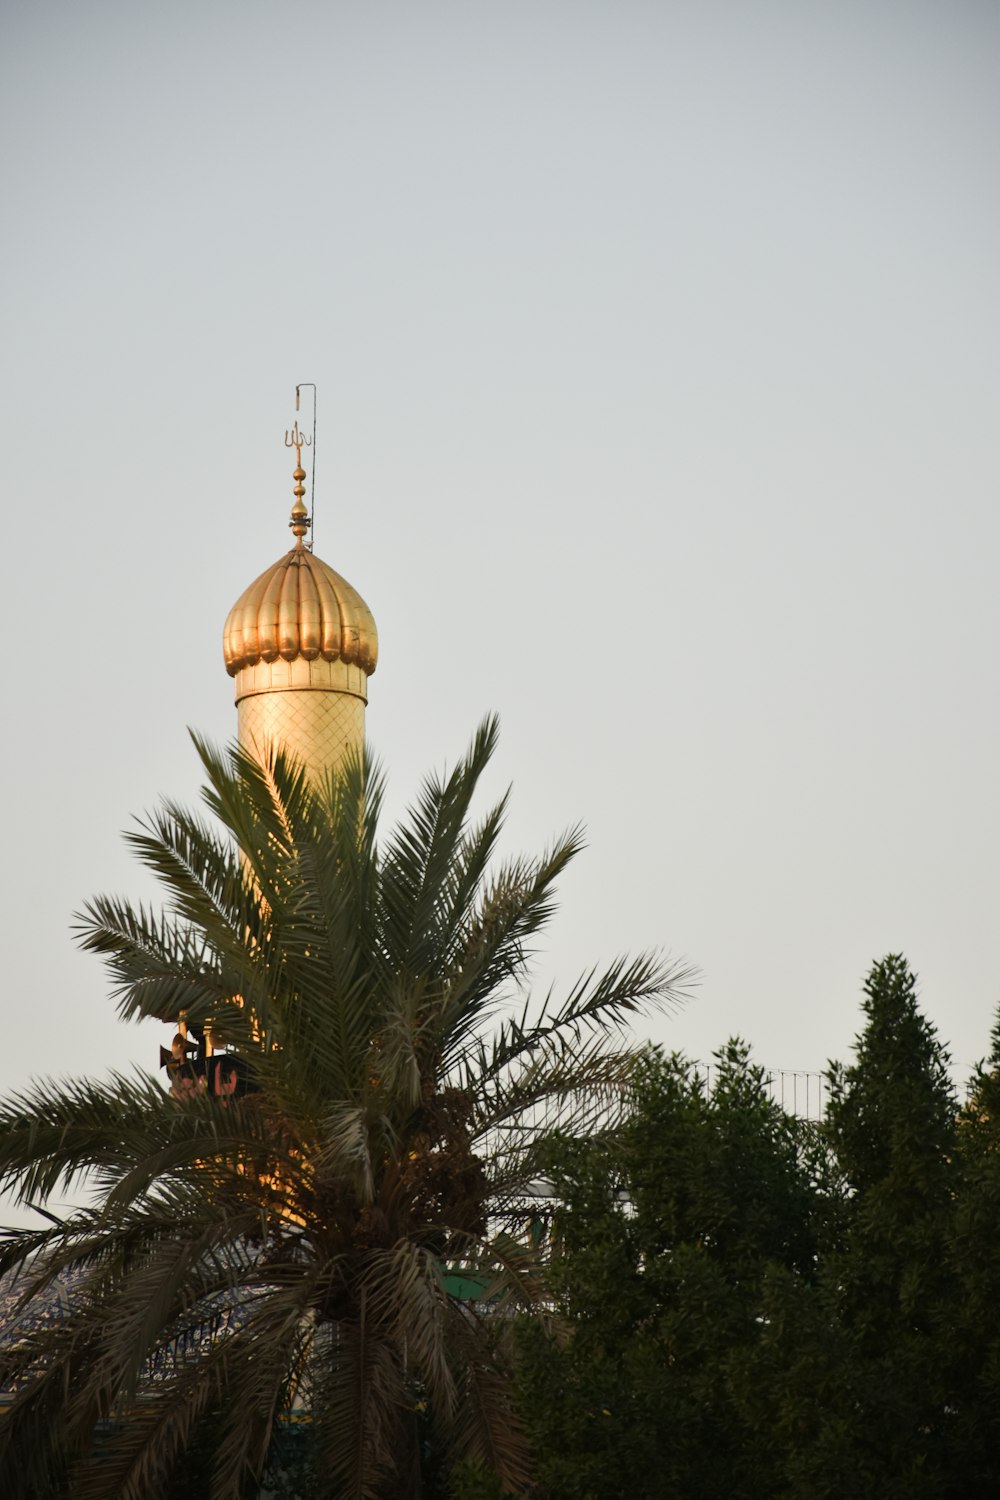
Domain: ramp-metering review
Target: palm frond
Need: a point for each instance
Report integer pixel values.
(293, 1245)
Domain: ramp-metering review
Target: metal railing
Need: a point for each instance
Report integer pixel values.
(798, 1093)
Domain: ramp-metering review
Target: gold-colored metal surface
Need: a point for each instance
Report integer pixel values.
(319, 729)
(301, 644)
(301, 675)
(300, 607)
(300, 522)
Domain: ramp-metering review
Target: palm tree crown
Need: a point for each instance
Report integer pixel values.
(289, 1250)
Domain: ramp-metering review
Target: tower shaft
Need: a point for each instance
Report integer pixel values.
(313, 710)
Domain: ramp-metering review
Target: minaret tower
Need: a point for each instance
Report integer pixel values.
(301, 644)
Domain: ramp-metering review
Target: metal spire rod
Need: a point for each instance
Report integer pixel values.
(303, 386)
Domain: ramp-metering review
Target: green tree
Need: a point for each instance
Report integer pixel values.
(854, 1375)
(664, 1240)
(974, 1332)
(289, 1250)
(757, 1308)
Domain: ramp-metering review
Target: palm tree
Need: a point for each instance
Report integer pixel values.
(289, 1251)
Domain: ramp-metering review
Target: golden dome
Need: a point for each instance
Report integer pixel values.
(300, 607)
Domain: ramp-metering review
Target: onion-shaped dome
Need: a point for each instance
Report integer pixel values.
(300, 607)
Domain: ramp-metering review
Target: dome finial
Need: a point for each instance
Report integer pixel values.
(300, 521)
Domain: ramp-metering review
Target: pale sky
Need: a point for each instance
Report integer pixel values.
(657, 354)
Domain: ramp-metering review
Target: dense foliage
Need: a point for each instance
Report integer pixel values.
(345, 1282)
(287, 1254)
(761, 1308)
